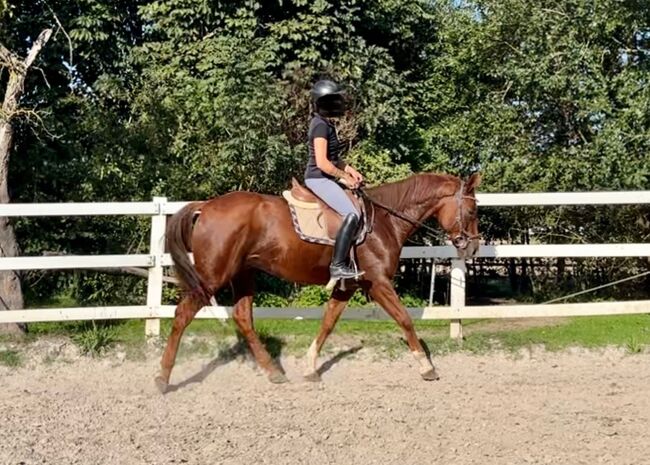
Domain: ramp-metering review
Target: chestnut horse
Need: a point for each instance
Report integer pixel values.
(238, 233)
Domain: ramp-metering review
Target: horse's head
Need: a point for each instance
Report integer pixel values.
(458, 216)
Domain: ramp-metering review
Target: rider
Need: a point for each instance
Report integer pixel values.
(325, 166)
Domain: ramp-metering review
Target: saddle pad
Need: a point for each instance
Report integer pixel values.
(308, 220)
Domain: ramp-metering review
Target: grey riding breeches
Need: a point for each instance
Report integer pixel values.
(333, 195)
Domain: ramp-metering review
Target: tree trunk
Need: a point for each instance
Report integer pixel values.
(512, 276)
(11, 296)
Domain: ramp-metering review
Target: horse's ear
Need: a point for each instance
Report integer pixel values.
(473, 182)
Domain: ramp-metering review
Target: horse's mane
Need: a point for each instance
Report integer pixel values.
(408, 192)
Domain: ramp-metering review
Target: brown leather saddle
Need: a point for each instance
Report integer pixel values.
(314, 221)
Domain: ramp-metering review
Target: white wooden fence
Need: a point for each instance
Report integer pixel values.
(156, 260)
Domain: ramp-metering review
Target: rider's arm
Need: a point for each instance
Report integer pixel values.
(326, 166)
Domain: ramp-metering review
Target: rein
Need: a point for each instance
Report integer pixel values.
(460, 241)
(395, 212)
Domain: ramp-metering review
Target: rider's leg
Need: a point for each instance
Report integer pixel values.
(333, 195)
(339, 268)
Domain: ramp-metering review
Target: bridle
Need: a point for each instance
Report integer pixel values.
(463, 238)
(460, 240)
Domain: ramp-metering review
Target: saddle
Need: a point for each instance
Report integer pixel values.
(314, 221)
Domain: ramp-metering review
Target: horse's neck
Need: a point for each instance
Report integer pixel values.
(414, 198)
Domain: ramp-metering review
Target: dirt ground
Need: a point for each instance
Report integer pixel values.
(575, 407)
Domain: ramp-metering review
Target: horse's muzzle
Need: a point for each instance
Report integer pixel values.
(466, 247)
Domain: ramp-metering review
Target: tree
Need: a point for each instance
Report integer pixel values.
(10, 291)
(193, 98)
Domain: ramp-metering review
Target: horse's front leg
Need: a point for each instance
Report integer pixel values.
(384, 294)
(333, 309)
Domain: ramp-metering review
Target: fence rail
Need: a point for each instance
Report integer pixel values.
(316, 313)
(169, 208)
(157, 259)
(63, 262)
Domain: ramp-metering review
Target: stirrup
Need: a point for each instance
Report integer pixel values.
(341, 274)
(344, 272)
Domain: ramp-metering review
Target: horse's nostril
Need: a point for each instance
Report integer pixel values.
(459, 242)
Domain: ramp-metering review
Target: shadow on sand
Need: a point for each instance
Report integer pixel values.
(337, 358)
(240, 350)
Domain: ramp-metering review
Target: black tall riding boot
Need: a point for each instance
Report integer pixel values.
(339, 268)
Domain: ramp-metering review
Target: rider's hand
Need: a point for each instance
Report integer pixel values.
(358, 178)
(349, 181)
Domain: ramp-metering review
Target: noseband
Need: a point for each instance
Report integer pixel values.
(463, 238)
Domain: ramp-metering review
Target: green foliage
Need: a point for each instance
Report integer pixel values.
(634, 346)
(95, 339)
(360, 300)
(10, 358)
(376, 165)
(265, 299)
(411, 301)
(193, 98)
(316, 296)
(310, 296)
(629, 332)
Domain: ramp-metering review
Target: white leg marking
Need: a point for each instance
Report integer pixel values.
(425, 364)
(312, 359)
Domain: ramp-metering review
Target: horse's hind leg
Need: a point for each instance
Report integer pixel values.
(335, 306)
(243, 288)
(185, 313)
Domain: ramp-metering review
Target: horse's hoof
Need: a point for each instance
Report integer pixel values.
(278, 377)
(161, 384)
(312, 377)
(430, 375)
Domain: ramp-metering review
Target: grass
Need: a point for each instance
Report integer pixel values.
(631, 332)
(96, 339)
(10, 358)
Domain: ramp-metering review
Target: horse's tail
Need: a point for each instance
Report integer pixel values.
(179, 243)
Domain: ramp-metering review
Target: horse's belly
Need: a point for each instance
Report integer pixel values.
(288, 257)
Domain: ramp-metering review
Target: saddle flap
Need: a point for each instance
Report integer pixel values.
(313, 219)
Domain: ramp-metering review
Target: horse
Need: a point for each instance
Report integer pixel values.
(235, 235)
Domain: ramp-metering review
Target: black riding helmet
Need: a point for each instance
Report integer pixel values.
(328, 98)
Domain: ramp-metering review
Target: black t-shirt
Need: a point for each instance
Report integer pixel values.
(320, 127)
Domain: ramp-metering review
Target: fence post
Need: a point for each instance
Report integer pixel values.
(432, 284)
(457, 297)
(155, 281)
